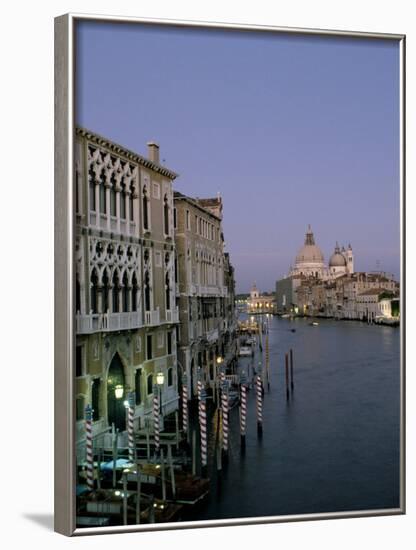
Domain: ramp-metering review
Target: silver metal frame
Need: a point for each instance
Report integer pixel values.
(65, 501)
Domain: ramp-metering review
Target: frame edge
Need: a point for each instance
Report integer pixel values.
(63, 353)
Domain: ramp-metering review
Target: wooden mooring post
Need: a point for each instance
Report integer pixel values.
(147, 439)
(162, 468)
(139, 489)
(292, 384)
(115, 452)
(172, 471)
(124, 498)
(287, 375)
(176, 430)
(193, 452)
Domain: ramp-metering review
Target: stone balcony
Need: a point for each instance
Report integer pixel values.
(172, 315)
(214, 290)
(108, 322)
(152, 318)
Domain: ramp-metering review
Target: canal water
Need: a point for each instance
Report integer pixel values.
(334, 445)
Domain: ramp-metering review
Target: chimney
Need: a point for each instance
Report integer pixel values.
(153, 151)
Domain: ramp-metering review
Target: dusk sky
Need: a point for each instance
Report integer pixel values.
(291, 130)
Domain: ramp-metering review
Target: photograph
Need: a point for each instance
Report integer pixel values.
(238, 275)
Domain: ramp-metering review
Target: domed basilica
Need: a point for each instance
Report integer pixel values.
(310, 262)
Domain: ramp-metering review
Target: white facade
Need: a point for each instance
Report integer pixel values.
(310, 261)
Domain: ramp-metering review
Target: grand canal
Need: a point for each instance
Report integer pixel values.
(334, 445)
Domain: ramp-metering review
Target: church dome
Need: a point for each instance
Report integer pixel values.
(337, 259)
(310, 253)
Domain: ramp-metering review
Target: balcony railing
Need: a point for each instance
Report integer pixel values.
(214, 290)
(107, 322)
(212, 335)
(172, 315)
(152, 317)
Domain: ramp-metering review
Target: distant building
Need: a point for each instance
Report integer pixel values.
(257, 303)
(312, 288)
(376, 304)
(340, 297)
(286, 296)
(206, 290)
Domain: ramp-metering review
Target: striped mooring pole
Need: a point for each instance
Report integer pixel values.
(224, 408)
(156, 417)
(243, 408)
(203, 428)
(89, 447)
(259, 403)
(222, 375)
(199, 384)
(185, 404)
(130, 423)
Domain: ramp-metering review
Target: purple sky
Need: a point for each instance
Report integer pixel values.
(289, 129)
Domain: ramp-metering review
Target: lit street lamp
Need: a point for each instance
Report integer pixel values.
(119, 391)
(160, 380)
(220, 376)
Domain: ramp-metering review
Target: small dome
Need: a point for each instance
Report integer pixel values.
(337, 260)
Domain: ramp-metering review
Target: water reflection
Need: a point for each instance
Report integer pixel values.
(334, 446)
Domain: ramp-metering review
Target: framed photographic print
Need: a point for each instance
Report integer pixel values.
(229, 252)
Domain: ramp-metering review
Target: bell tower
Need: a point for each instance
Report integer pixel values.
(349, 256)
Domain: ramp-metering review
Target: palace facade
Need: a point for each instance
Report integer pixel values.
(126, 312)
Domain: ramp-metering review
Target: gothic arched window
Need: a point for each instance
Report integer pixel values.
(103, 196)
(131, 202)
(105, 290)
(123, 201)
(113, 204)
(167, 290)
(116, 288)
(145, 209)
(134, 291)
(166, 214)
(125, 293)
(94, 291)
(147, 291)
(91, 178)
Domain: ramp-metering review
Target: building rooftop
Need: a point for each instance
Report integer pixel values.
(120, 150)
(375, 292)
(201, 204)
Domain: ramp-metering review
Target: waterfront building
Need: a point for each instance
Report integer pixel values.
(206, 290)
(312, 288)
(259, 303)
(126, 314)
(310, 261)
(286, 295)
(339, 297)
(375, 305)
